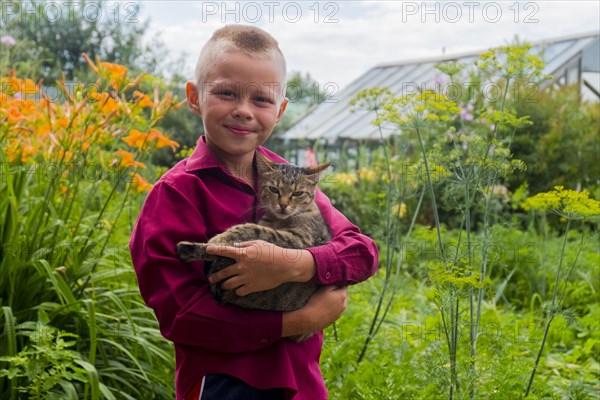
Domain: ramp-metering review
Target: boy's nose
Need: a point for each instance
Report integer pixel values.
(242, 110)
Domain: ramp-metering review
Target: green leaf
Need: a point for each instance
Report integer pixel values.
(69, 390)
(58, 283)
(9, 331)
(502, 286)
(106, 393)
(93, 379)
(92, 329)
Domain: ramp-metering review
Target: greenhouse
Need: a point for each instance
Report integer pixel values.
(333, 124)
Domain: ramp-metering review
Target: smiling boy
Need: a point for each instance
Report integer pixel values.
(223, 351)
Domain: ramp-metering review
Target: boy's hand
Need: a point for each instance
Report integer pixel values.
(323, 309)
(261, 266)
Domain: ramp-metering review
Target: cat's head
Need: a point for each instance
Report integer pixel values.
(286, 189)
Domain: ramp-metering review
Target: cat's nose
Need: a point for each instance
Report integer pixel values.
(283, 206)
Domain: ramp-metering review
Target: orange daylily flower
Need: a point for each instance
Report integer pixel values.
(144, 99)
(99, 96)
(107, 103)
(62, 122)
(29, 87)
(10, 85)
(14, 115)
(18, 151)
(140, 140)
(162, 140)
(126, 160)
(21, 88)
(136, 139)
(44, 130)
(116, 71)
(31, 109)
(139, 184)
(66, 156)
(110, 105)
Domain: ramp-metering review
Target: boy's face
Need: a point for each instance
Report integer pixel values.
(240, 102)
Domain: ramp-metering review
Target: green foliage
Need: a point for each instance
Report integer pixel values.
(408, 358)
(51, 37)
(303, 93)
(465, 161)
(464, 305)
(72, 180)
(47, 364)
(561, 145)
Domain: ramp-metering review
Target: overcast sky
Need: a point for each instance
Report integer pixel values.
(337, 41)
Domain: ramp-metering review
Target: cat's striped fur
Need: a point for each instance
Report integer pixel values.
(292, 220)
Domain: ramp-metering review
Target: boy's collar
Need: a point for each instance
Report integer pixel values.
(203, 158)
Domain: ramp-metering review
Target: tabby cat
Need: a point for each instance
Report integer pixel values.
(292, 220)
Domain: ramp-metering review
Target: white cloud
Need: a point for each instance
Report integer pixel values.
(368, 33)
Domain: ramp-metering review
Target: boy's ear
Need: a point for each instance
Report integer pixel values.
(282, 108)
(193, 97)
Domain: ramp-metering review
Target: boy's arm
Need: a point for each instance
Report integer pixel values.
(178, 293)
(349, 257)
(323, 309)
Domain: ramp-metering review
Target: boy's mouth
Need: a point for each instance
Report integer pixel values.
(239, 130)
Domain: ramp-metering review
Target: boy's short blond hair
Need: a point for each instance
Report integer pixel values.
(250, 40)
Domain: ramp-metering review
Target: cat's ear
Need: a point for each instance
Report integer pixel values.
(263, 164)
(313, 171)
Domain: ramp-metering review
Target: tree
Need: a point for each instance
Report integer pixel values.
(561, 147)
(51, 37)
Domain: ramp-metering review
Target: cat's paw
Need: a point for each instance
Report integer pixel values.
(189, 252)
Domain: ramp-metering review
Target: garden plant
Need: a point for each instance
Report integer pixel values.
(485, 290)
(463, 165)
(74, 174)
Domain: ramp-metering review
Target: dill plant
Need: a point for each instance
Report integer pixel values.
(571, 206)
(464, 142)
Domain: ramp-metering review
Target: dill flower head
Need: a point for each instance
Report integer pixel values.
(371, 99)
(567, 203)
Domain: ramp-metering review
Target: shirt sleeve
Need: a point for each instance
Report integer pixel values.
(349, 257)
(178, 292)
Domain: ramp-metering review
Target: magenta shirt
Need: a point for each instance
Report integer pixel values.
(195, 200)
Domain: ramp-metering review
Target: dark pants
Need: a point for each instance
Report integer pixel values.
(225, 387)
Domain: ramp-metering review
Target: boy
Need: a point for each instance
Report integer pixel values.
(223, 351)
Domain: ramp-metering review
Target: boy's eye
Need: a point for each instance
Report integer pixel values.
(227, 94)
(261, 99)
(274, 189)
(297, 194)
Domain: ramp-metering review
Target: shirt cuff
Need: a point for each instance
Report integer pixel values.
(328, 266)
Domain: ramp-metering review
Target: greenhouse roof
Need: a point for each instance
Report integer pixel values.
(567, 59)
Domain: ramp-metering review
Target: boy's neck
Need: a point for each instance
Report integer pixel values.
(242, 168)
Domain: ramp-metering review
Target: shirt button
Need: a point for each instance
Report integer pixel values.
(327, 275)
(264, 341)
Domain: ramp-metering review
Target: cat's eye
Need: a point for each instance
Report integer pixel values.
(274, 189)
(297, 194)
